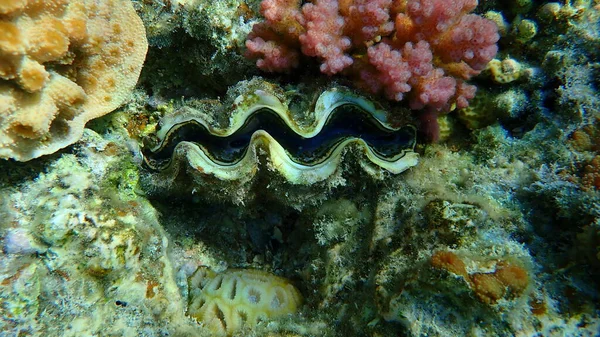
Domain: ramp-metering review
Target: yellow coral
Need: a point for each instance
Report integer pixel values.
(480, 112)
(525, 30)
(226, 302)
(63, 63)
(446, 127)
(499, 20)
(7, 6)
(505, 71)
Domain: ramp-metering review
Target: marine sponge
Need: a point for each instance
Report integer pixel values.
(228, 301)
(63, 63)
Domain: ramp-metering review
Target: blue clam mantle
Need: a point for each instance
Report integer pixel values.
(303, 154)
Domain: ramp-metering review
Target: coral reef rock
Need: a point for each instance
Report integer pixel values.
(81, 256)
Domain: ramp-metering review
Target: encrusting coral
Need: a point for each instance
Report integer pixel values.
(63, 63)
(423, 49)
(507, 280)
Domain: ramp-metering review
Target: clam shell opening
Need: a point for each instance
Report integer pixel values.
(303, 154)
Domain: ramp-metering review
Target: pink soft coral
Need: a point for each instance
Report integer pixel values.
(366, 20)
(323, 37)
(423, 50)
(472, 40)
(274, 43)
(391, 71)
(273, 54)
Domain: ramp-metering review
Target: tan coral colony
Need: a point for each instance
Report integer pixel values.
(63, 63)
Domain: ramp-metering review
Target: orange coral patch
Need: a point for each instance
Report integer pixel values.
(591, 175)
(405, 28)
(537, 307)
(514, 277)
(449, 261)
(581, 140)
(487, 287)
(507, 280)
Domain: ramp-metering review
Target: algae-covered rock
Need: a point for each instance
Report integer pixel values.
(73, 244)
(212, 33)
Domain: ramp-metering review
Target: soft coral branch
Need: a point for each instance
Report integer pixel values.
(423, 50)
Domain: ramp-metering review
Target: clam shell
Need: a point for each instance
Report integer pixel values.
(292, 146)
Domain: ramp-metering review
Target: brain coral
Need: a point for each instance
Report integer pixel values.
(63, 63)
(226, 302)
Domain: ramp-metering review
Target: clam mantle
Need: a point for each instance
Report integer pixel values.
(304, 140)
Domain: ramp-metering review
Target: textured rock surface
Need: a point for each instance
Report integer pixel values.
(81, 257)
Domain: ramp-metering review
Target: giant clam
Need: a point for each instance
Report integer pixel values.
(302, 139)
